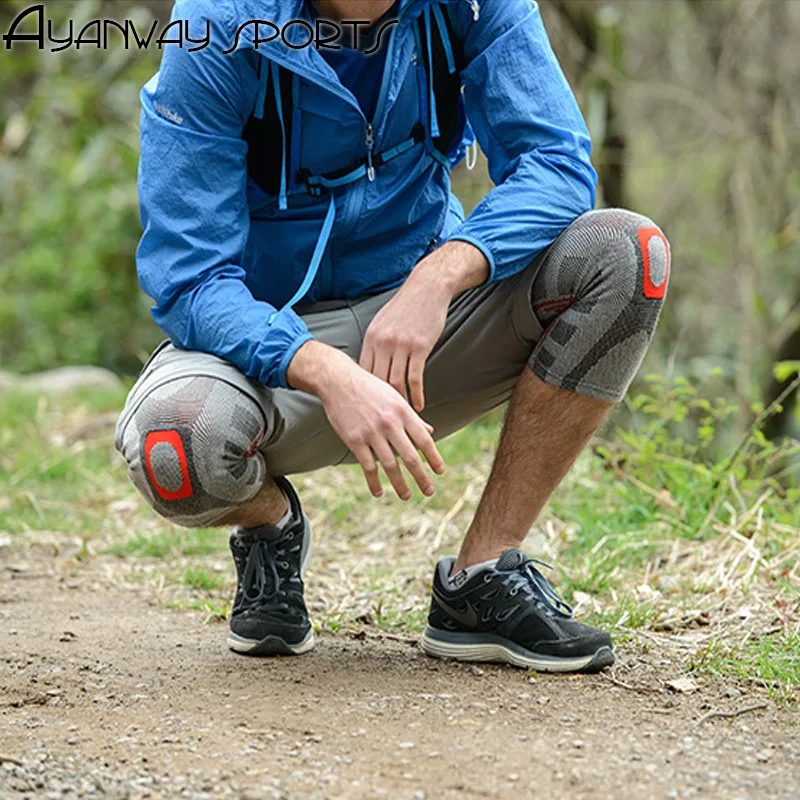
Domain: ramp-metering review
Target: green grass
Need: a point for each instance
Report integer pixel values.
(172, 543)
(48, 479)
(629, 612)
(379, 619)
(769, 660)
(202, 580)
(479, 438)
(214, 611)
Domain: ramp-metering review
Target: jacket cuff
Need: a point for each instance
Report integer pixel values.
(288, 356)
(459, 237)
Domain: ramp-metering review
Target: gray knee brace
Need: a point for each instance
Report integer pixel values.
(192, 449)
(599, 294)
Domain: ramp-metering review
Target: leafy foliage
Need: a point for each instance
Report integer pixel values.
(678, 464)
(68, 211)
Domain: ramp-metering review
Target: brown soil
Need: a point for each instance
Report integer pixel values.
(105, 693)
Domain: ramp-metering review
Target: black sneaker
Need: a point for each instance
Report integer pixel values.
(269, 615)
(510, 614)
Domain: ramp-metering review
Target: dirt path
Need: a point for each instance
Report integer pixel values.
(105, 694)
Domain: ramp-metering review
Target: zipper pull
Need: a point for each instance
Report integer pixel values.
(476, 9)
(370, 146)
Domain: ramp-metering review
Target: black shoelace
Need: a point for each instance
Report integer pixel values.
(533, 584)
(262, 582)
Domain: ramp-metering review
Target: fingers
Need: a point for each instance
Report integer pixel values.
(420, 433)
(392, 469)
(400, 444)
(395, 432)
(398, 371)
(381, 362)
(413, 463)
(367, 357)
(370, 468)
(416, 368)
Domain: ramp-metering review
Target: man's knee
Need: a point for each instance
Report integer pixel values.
(192, 449)
(618, 252)
(612, 257)
(599, 294)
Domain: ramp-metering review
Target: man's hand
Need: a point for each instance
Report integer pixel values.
(369, 416)
(404, 332)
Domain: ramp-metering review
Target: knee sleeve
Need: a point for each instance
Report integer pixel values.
(192, 449)
(598, 294)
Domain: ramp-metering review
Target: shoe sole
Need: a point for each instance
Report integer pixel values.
(474, 647)
(276, 645)
(269, 645)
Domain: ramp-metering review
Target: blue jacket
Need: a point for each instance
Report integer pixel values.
(221, 259)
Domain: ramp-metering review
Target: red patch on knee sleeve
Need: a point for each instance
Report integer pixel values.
(173, 439)
(253, 449)
(652, 290)
(549, 306)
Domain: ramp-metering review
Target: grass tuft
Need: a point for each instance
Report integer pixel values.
(172, 543)
(771, 661)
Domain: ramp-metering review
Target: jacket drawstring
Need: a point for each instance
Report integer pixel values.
(265, 68)
(316, 259)
(263, 76)
(472, 156)
(445, 37)
(276, 85)
(476, 9)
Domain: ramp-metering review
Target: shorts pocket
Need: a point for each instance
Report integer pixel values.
(526, 324)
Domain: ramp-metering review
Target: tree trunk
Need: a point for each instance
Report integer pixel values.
(600, 33)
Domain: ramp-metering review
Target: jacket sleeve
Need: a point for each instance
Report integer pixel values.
(528, 124)
(192, 193)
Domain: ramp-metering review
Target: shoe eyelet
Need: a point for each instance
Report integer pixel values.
(487, 578)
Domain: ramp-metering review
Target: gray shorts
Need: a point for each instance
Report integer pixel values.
(488, 339)
(199, 436)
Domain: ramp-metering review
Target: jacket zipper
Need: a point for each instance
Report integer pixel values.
(476, 9)
(370, 148)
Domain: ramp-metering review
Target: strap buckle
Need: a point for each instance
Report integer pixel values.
(304, 178)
